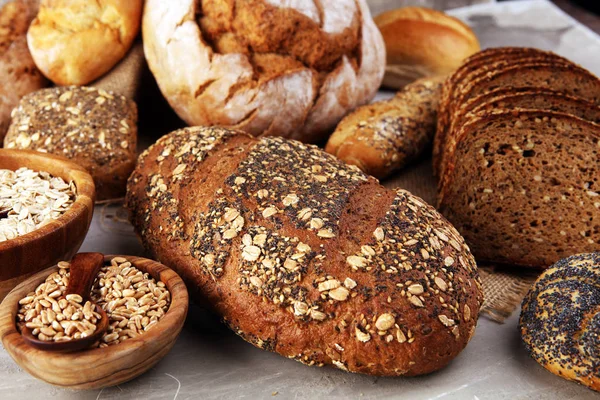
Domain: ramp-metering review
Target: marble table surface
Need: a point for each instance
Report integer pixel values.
(209, 361)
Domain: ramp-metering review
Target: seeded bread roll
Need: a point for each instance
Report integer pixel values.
(75, 42)
(385, 136)
(304, 255)
(94, 128)
(536, 173)
(560, 319)
(275, 68)
(18, 73)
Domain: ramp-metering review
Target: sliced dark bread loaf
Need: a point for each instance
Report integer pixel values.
(527, 188)
(512, 98)
(475, 66)
(570, 79)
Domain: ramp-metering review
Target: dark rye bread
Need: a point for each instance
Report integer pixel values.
(475, 66)
(304, 255)
(505, 99)
(560, 320)
(569, 79)
(526, 188)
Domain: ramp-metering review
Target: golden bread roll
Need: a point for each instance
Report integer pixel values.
(422, 42)
(270, 68)
(74, 42)
(385, 136)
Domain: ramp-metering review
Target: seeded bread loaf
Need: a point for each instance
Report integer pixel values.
(94, 128)
(304, 255)
(523, 186)
(75, 42)
(560, 320)
(385, 136)
(18, 73)
(291, 69)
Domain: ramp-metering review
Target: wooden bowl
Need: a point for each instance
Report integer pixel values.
(99, 367)
(59, 239)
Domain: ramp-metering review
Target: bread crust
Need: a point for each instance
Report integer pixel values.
(74, 42)
(217, 67)
(95, 128)
(422, 42)
(18, 72)
(294, 250)
(559, 319)
(385, 136)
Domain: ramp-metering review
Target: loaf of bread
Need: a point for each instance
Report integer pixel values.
(382, 137)
(522, 186)
(560, 319)
(94, 128)
(422, 42)
(18, 73)
(475, 67)
(74, 42)
(304, 255)
(290, 69)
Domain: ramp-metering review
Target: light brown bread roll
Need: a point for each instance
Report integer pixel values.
(304, 255)
(382, 137)
(422, 42)
(74, 42)
(268, 67)
(95, 128)
(18, 73)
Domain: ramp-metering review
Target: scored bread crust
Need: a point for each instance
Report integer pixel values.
(304, 255)
(94, 128)
(559, 320)
(18, 72)
(515, 166)
(74, 42)
(268, 67)
(385, 136)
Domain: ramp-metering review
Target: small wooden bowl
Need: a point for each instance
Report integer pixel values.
(99, 367)
(59, 239)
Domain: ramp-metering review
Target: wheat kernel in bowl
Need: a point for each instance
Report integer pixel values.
(32, 199)
(132, 299)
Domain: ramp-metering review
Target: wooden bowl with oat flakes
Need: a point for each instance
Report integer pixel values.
(98, 367)
(58, 239)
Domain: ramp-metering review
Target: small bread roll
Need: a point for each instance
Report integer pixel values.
(421, 42)
(74, 42)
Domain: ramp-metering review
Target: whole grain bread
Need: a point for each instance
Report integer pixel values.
(524, 188)
(291, 69)
(304, 255)
(560, 320)
(94, 128)
(385, 136)
(18, 73)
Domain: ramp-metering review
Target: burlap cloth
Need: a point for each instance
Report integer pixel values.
(503, 288)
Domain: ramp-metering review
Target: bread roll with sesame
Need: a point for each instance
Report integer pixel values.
(304, 255)
(95, 128)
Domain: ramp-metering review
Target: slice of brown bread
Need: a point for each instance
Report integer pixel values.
(475, 66)
(570, 79)
(527, 188)
(511, 98)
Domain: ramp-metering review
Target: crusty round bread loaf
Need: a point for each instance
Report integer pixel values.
(18, 73)
(422, 42)
(385, 136)
(268, 67)
(94, 128)
(560, 319)
(304, 255)
(74, 42)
